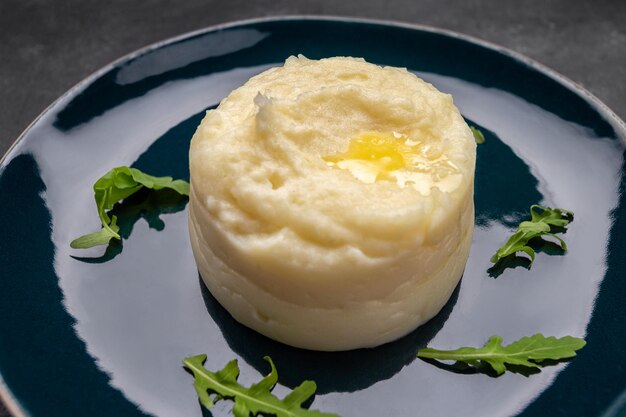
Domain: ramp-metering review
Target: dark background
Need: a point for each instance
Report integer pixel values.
(48, 46)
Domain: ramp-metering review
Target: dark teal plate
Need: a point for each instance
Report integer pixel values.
(103, 332)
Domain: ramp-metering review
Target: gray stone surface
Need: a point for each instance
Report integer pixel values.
(48, 46)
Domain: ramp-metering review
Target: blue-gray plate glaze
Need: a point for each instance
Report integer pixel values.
(102, 332)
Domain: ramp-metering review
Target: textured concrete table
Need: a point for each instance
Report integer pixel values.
(48, 46)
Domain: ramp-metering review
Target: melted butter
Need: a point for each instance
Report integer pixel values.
(380, 153)
(376, 156)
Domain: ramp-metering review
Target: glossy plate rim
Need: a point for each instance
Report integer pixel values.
(6, 396)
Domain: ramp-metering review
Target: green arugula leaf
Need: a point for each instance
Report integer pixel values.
(528, 352)
(551, 216)
(118, 184)
(212, 387)
(545, 221)
(97, 238)
(478, 135)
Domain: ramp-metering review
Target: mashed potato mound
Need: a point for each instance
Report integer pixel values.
(331, 202)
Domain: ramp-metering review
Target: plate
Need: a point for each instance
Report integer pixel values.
(102, 332)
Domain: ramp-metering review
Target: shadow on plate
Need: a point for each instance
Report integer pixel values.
(511, 261)
(147, 204)
(483, 368)
(346, 371)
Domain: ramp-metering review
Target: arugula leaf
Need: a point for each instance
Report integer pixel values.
(118, 184)
(212, 387)
(545, 221)
(528, 351)
(97, 238)
(478, 135)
